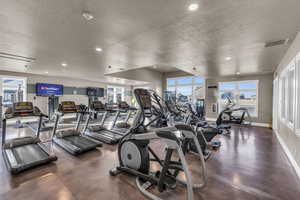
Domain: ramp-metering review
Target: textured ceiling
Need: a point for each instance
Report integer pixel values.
(140, 33)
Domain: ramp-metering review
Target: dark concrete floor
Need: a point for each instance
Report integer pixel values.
(249, 165)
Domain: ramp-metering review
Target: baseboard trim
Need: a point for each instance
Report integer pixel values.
(261, 124)
(252, 123)
(288, 154)
(210, 119)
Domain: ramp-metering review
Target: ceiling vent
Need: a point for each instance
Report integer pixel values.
(15, 57)
(276, 43)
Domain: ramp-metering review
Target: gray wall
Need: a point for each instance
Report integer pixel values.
(154, 78)
(211, 97)
(265, 91)
(70, 85)
(290, 139)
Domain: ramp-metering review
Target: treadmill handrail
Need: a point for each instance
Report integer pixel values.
(56, 122)
(37, 133)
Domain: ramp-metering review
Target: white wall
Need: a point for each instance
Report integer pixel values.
(288, 137)
(154, 78)
(42, 102)
(265, 90)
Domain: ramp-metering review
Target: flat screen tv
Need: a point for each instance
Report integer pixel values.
(45, 89)
(96, 92)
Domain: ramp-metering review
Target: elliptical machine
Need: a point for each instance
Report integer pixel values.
(134, 153)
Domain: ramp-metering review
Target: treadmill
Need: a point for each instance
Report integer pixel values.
(27, 152)
(122, 128)
(45, 126)
(72, 140)
(98, 131)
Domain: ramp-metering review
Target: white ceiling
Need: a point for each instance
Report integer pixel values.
(140, 33)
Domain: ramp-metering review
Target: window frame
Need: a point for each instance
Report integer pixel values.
(193, 85)
(291, 67)
(24, 79)
(285, 96)
(115, 93)
(237, 91)
(282, 96)
(297, 96)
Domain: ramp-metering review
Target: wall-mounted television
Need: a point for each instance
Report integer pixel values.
(45, 89)
(96, 92)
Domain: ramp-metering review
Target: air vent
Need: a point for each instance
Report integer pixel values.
(276, 43)
(16, 57)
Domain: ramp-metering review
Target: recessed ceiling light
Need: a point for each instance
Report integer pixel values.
(238, 73)
(98, 49)
(87, 15)
(46, 72)
(228, 58)
(193, 7)
(64, 64)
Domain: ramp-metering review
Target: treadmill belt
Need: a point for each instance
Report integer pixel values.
(34, 127)
(29, 153)
(121, 131)
(79, 141)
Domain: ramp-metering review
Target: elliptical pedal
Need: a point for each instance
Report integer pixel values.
(114, 171)
(147, 185)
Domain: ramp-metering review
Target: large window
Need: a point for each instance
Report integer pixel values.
(185, 89)
(283, 92)
(287, 95)
(13, 90)
(291, 94)
(297, 100)
(243, 93)
(115, 94)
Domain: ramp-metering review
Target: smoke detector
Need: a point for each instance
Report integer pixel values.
(87, 15)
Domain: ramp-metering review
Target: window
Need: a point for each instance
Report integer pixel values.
(184, 94)
(287, 95)
(283, 96)
(291, 94)
(115, 94)
(243, 93)
(13, 89)
(297, 89)
(185, 89)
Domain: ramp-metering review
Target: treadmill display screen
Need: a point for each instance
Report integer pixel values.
(22, 108)
(98, 106)
(45, 89)
(97, 92)
(68, 107)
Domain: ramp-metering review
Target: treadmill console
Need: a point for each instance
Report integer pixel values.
(67, 107)
(123, 105)
(22, 109)
(111, 107)
(81, 108)
(98, 106)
